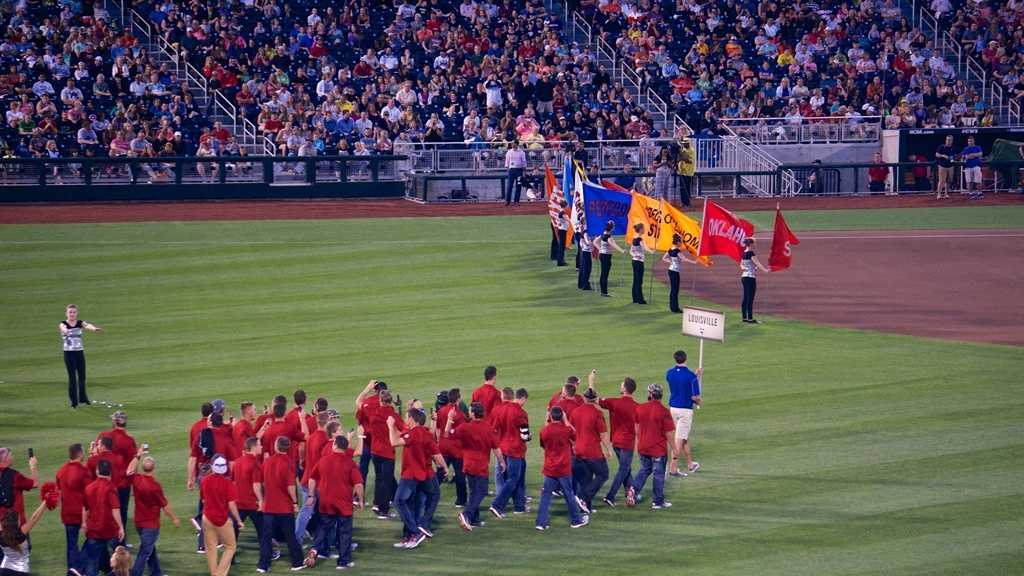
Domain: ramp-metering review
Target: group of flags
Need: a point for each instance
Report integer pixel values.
(719, 232)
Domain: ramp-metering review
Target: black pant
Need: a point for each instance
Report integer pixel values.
(558, 246)
(515, 178)
(749, 289)
(257, 521)
(124, 495)
(685, 182)
(75, 363)
(594, 475)
(364, 459)
(576, 241)
(638, 282)
(586, 263)
(606, 268)
(673, 291)
(459, 479)
(280, 527)
(383, 483)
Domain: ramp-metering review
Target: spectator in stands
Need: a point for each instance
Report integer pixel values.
(878, 173)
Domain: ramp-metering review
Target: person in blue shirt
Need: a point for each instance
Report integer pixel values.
(972, 155)
(684, 393)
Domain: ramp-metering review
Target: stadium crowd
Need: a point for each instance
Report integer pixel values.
(992, 32)
(731, 59)
(294, 473)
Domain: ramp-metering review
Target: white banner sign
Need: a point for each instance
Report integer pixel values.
(703, 323)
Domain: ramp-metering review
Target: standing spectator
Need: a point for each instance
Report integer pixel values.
(944, 158)
(149, 501)
(515, 163)
(72, 478)
(686, 167)
(972, 155)
(103, 527)
(14, 484)
(220, 499)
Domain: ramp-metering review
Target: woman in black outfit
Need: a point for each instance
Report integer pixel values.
(748, 277)
(638, 252)
(673, 258)
(584, 261)
(74, 355)
(605, 243)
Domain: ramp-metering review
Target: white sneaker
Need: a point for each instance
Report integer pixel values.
(582, 505)
(665, 504)
(583, 522)
(694, 466)
(345, 566)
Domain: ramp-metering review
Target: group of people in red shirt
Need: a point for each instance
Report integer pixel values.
(293, 473)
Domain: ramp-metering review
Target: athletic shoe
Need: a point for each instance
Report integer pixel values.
(464, 522)
(583, 505)
(376, 510)
(630, 497)
(523, 511)
(609, 502)
(298, 568)
(345, 566)
(557, 493)
(481, 524)
(354, 546)
(403, 543)
(426, 532)
(275, 556)
(584, 520)
(261, 571)
(606, 295)
(678, 474)
(665, 504)
(415, 541)
(457, 505)
(195, 524)
(541, 528)
(382, 516)
(496, 513)
(694, 466)
(200, 550)
(529, 499)
(753, 321)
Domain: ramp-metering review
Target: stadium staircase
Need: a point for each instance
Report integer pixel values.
(213, 103)
(730, 153)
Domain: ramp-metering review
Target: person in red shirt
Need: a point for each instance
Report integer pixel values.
(280, 498)
(451, 449)
(220, 504)
(125, 448)
(487, 393)
(19, 483)
(247, 472)
(556, 439)
(103, 528)
(592, 450)
(244, 428)
(567, 399)
(72, 478)
(513, 428)
(419, 448)
(478, 440)
(315, 443)
(278, 427)
(294, 419)
(878, 174)
(383, 453)
(193, 434)
(104, 451)
(655, 432)
(336, 478)
(622, 412)
(366, 402)
(149, 501)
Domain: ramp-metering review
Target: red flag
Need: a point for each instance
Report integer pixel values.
(722, 232)
(782, 238)
(613, 186)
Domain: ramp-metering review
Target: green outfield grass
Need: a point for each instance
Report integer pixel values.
(825, 451)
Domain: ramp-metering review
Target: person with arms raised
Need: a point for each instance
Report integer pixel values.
(125, 448)
(149, 501)
(622, 412)
(592, 448)
(74, 354)
(418, 480)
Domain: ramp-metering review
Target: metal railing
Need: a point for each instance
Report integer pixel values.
(737, 154)
(826, 130)
(279, 170)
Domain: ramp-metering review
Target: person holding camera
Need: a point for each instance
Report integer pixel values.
(13, 484)
(74, 354)
(125, 448)
(14, 540)
(103, 527)
(149, 501)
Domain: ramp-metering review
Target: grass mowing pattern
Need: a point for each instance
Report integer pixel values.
(824, 450)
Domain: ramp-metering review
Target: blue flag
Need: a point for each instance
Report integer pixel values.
(602, 204)
(568, 179)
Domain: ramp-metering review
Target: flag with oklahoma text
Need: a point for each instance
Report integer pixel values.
(723, 232)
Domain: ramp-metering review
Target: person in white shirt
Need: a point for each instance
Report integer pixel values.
(515, 163)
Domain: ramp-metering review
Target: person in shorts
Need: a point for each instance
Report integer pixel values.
(972, 156)
(684, 393)
(944, 155)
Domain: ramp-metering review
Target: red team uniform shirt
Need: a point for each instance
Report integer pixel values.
(417, 453)
(149, 499)
(380, 440)
(556, 438)
(364, 416)
(568, 405)
(117, 467)
(623, 416)
(588, 421)
(510, 418)
(336, 474)
(489, 396)
(282, 428)
(278, 475)
(478, 438)
(72, 478)
(247, 471)
(124, 445)
(654, 422)
(450, 447)
(217, 491)
(101, 500)
(241, 432)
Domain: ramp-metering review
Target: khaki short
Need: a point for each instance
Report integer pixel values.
(973, 175)
(945, 174)
(683, 417)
